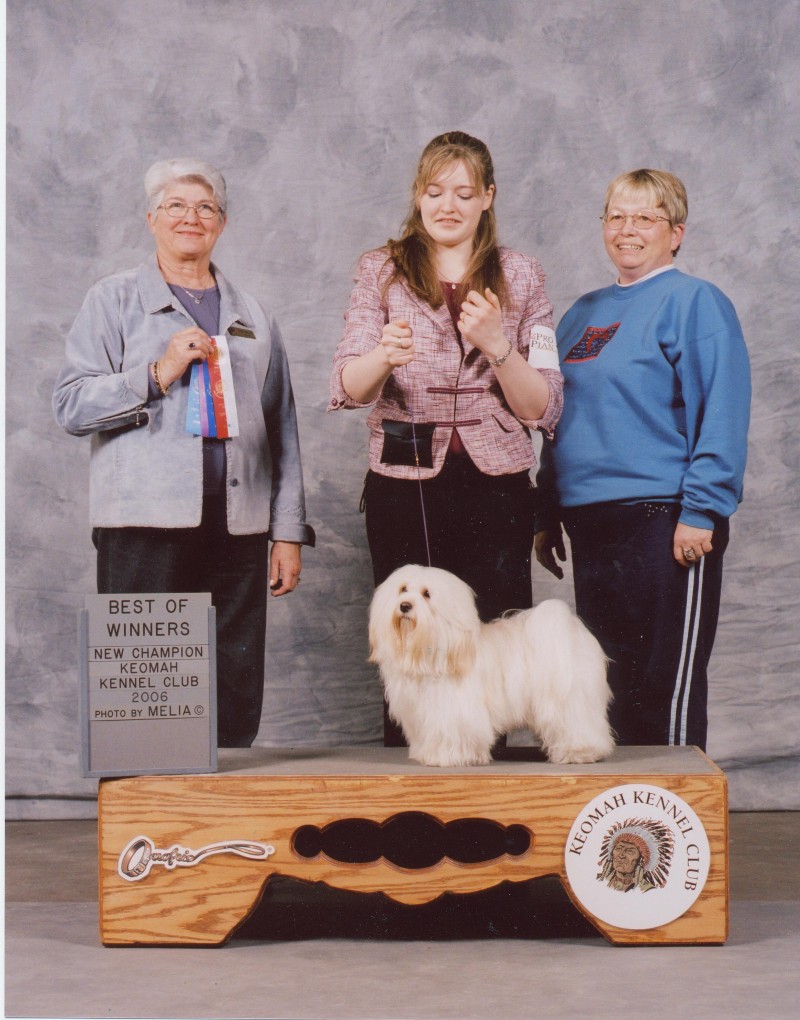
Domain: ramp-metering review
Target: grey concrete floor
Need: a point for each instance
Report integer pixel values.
(310, 952)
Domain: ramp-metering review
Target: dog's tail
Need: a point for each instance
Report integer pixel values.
(566, 648)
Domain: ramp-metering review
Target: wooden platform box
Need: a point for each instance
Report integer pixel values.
(639, 841)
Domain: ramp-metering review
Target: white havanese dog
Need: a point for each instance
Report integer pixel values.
(455, 684)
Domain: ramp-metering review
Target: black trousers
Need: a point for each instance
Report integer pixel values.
(234, 568)
(655, 619)
(479, 527)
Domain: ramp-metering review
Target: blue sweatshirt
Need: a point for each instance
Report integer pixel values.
(656, 401)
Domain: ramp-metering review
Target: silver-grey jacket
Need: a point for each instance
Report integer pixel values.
(146, 469)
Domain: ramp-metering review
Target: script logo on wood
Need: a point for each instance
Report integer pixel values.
(141, 854)
(637, 856)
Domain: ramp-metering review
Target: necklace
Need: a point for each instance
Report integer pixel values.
(194, 297)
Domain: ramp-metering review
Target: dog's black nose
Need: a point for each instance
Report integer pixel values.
(405, 607)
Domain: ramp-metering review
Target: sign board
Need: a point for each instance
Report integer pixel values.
(148, 684)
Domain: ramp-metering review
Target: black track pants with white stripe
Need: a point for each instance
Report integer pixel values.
(655, 619)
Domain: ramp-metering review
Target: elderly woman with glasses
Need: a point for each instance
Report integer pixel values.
(648, 462)
(182, 382)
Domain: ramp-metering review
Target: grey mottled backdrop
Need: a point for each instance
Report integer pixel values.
(317, 111)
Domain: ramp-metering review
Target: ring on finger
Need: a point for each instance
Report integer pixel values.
(689, 554)
(192, 345)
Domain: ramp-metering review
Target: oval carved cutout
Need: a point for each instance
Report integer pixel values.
(412, 840)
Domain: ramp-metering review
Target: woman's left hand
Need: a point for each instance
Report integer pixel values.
(481, 323)
(284, 567)
(691, 544)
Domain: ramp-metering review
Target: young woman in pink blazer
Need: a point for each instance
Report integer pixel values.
(449, 339)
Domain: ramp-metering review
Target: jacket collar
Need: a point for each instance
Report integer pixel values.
(156, 296)
(440, 315)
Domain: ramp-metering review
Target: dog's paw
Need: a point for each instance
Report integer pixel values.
(450, 760)
(577, 755)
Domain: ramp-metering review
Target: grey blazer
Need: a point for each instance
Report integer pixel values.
(146, 469)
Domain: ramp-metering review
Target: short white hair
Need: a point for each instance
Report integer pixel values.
(167, 171)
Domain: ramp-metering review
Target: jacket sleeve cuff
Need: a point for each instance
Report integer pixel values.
(291, 531)
(339, 396)
(696, 519)
(555, 404)
(137, 380)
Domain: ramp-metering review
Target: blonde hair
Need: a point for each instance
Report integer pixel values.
(665, 189)
(661, 188)
(412, 254)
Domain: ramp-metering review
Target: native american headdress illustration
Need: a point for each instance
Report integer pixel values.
(655, 844)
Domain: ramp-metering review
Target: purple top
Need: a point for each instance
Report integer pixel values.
(203, 306)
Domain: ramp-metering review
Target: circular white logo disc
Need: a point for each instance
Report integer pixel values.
(637, 856)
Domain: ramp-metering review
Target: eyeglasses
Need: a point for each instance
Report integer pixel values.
(177, 210)
(642, 221)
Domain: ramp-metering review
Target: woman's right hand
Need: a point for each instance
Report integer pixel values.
(547, 545)
(186, 346)
(363, 377)
(397, 343)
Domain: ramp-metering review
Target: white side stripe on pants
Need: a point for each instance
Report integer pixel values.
(691, 624)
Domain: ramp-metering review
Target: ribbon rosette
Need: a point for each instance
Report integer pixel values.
(211, 411)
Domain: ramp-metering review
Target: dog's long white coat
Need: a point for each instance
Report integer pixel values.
(455, 684)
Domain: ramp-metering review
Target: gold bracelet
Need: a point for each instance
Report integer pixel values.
(504, 358)
(163, 390)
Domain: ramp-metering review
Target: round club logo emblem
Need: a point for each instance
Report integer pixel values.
(637, 856)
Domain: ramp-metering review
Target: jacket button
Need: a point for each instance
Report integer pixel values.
(234, 482)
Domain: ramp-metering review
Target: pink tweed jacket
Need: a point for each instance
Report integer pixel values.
(440, 385)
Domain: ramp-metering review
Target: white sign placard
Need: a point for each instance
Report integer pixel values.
(148, 684)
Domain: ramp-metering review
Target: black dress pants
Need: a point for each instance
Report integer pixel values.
(479, 527)
(234, 568)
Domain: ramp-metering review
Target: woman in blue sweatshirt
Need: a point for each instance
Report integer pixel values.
(648, 462)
